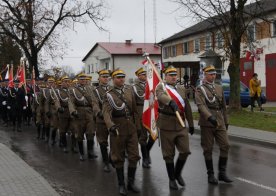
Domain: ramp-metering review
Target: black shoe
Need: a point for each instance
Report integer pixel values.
(145, 163)
(222, 170)
(171, 174)
(92, 156)
(106, 168)
(212, 179)
(81, 150)
(131, 177)
(81, 158)
(173, 185)
(178, 169)
(210, 171)
(121, 181)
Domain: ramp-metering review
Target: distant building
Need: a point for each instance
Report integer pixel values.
(111, 55)
(184, 48)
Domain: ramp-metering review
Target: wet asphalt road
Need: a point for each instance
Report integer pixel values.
(252, 167)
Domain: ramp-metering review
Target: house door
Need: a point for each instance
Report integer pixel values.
(270, 71)
(246, 70)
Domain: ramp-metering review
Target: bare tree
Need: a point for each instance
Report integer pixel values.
(34, 24)
(231, 18)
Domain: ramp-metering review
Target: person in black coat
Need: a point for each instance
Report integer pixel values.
(16, 104)
(4, 90)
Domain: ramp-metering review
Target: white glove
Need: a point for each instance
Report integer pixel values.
(4, 103)
(24, 107)
(26, 98)
(8, 107)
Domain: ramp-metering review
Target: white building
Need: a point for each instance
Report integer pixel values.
(184, 48)
(111, 55)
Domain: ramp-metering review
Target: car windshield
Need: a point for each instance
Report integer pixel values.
(226, 86)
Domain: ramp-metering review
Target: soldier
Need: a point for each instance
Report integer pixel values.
(64, 118)
(35, 109)
(172, 134)
(213, 123)
(122, 120)
(101, 129)
(28, 111)
(83, 100)
(139, 92)
(4, 91)
(16, 104)
(52, 107)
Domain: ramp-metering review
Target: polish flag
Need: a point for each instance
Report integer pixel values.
(21, 75)
(11, 84)
(150, 110)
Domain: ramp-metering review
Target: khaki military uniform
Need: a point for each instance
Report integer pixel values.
(101, 129)
(83, 100)
(172, 134)
(41, 115)
(65, 117)
(139, 92)
(210, 102)
(51, 106)
(119, 108)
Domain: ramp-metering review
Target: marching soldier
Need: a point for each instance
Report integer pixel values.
(139, 91)
(83, 100)
(4, 91)
(101, 129)
(172, 134)
(213, 123)
(35, 109)
(64, 118)
(16, 104)
(28, 111)
(122, 120)
(52, 107)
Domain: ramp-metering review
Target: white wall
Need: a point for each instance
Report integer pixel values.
(130, 64)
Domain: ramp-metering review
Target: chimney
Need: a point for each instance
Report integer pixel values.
(128, 42)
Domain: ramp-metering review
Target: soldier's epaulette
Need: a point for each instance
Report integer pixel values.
(127, 86)
(111, 89)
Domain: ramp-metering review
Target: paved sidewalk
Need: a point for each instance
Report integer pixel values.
(17, 178)
(252, 135)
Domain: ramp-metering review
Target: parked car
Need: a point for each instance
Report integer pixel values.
(244, 92)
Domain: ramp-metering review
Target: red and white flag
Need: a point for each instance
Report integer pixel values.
(150, 110)
(21, 75)
(11, 84)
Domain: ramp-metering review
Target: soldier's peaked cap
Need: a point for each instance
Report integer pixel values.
(209, 69)
(140, 71)
(104, 72)
(64, 78)
(118, 72)
(82, 76)
(171, 70)
(51, 79)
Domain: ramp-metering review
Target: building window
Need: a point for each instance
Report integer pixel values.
(197, 45)
(208, 42)
(173, 49)
(166, 52)
(251, 33)
(185, 47)
(219, 40)
(274, 28)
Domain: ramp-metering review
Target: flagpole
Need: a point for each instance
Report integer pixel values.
(154, 69)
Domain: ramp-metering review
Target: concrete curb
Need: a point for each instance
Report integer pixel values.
(245, 139)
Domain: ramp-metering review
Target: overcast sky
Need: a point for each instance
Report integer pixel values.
(126, 21)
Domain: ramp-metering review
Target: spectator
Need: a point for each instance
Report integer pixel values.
(255, 91)
(186, 80)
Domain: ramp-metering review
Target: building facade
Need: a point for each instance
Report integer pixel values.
(112, 55)
(258, 50)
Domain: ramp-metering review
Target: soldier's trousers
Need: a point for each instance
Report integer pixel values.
(127, 141)
(143, 136)
(208, 136)
(102, 134)
(84, 124)
(16, 116)
(174, 139)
